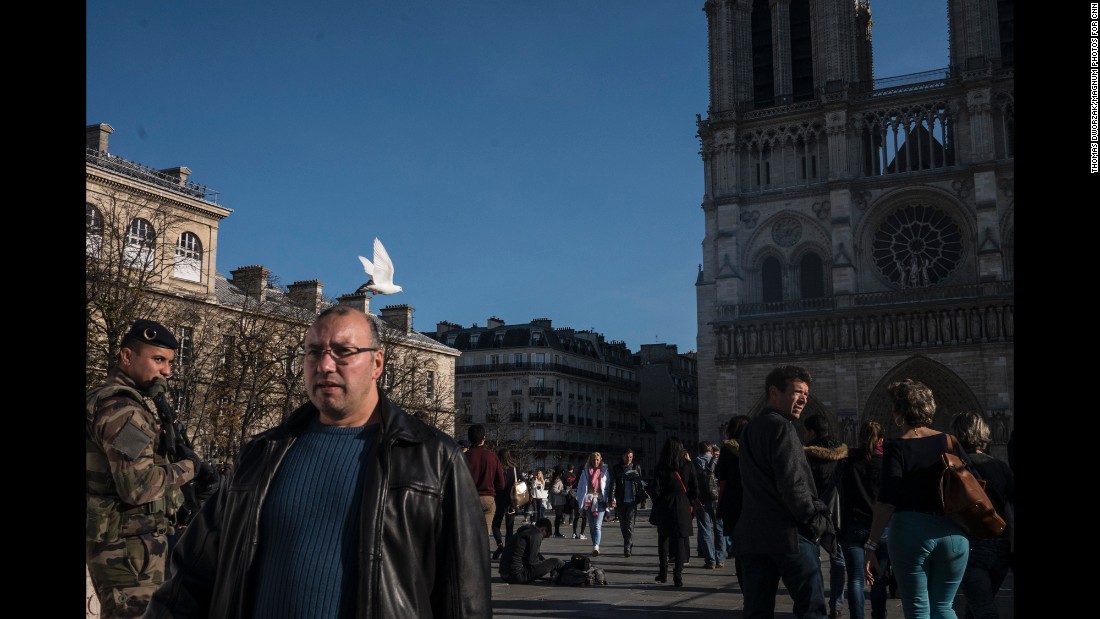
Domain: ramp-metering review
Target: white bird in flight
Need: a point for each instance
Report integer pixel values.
(381, 272)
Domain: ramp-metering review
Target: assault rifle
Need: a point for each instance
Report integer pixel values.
(177, 446)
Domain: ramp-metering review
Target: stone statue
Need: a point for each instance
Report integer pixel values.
(931, 327)
(752, 340)
(740, 341)
(992, 324)
(844, 335)
(960, 324)
(804, 337)
(975, 325)
(817, 335)
(872, 332)
(1009, 322)
(888, 331)
(857, 327)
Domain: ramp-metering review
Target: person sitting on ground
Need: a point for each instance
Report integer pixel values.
(522, 563)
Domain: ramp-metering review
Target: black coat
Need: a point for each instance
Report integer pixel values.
(673, 503)
(780, 498)
(421, 521)
(521, 552)
(728, 473)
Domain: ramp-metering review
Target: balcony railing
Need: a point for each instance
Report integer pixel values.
(540, 391)
(908, 297)
(149, 175)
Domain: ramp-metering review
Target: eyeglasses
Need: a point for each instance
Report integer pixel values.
(340, 354)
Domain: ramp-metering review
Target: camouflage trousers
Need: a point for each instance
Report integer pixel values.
(126, 572)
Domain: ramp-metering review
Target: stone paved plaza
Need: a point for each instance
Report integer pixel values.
(631, 591)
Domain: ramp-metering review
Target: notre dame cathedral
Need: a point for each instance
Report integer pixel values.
(858, 225)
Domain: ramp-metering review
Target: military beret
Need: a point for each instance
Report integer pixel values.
(152, 333)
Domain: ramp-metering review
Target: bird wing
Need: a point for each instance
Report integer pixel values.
(367, 266)
(383, 266)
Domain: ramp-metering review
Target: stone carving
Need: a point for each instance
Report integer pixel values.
(931, 327)
(787, 231)
(888, 331)
(752, 340)
(844, 336)
(749, 218)
(872, 332)
(992, 324)
(960, 324)
(817, 335)
(740, 342)
(804, 337)
(975, 325)
(1009, 322)
(857, 337)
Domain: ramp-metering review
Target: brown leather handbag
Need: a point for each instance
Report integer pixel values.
(964, 498)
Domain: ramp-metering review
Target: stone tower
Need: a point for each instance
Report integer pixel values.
(858, 225)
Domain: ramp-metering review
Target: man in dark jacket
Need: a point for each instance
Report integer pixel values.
(522, 563)
(782, 519)
(826, 457)
(351, 508)
(627, 496)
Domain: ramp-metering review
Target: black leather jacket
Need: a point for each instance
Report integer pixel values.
(421, 541)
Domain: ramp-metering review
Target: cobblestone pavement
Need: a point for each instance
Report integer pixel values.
(632, 592)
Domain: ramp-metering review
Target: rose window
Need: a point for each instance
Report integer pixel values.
(917, 245)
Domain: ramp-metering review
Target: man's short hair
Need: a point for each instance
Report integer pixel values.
(476, 434)
(705, 446)
(347, 310)
(779, 376)
(628, 451)
(544, 523)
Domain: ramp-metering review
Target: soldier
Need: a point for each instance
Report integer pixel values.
(132, 488)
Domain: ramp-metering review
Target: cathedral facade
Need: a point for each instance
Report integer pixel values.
(861, 227)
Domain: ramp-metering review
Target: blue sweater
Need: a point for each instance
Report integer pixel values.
(307, 564)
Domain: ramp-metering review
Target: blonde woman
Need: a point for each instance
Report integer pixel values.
(540, 494)
(592, 496)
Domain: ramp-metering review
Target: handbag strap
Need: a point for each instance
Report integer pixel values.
(681, 482)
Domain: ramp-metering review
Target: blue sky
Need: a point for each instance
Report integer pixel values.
(518, 159)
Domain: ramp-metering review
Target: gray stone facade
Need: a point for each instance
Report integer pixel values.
(860, 227)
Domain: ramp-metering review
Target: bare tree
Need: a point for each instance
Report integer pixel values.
(243, 375)
(417, 379)
(129, 253)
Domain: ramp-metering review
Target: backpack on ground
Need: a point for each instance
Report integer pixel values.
(570, 576)
(581, 562)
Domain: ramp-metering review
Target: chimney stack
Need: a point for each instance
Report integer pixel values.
(494, 322)
(358, 300)
(306, 294)
(252, 280)
(399, 317)
(96, 136)
(179, 174)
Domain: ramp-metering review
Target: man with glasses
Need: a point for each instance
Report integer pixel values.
(349, 508)
(132, 486)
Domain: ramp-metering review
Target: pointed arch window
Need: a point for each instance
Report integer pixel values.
(188, 257)
(812, 273)
(771, 276)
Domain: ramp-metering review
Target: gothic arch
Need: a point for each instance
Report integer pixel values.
(936, 211)
(762, 238)
(951, 393)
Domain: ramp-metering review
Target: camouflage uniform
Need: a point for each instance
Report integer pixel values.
(132, 492)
